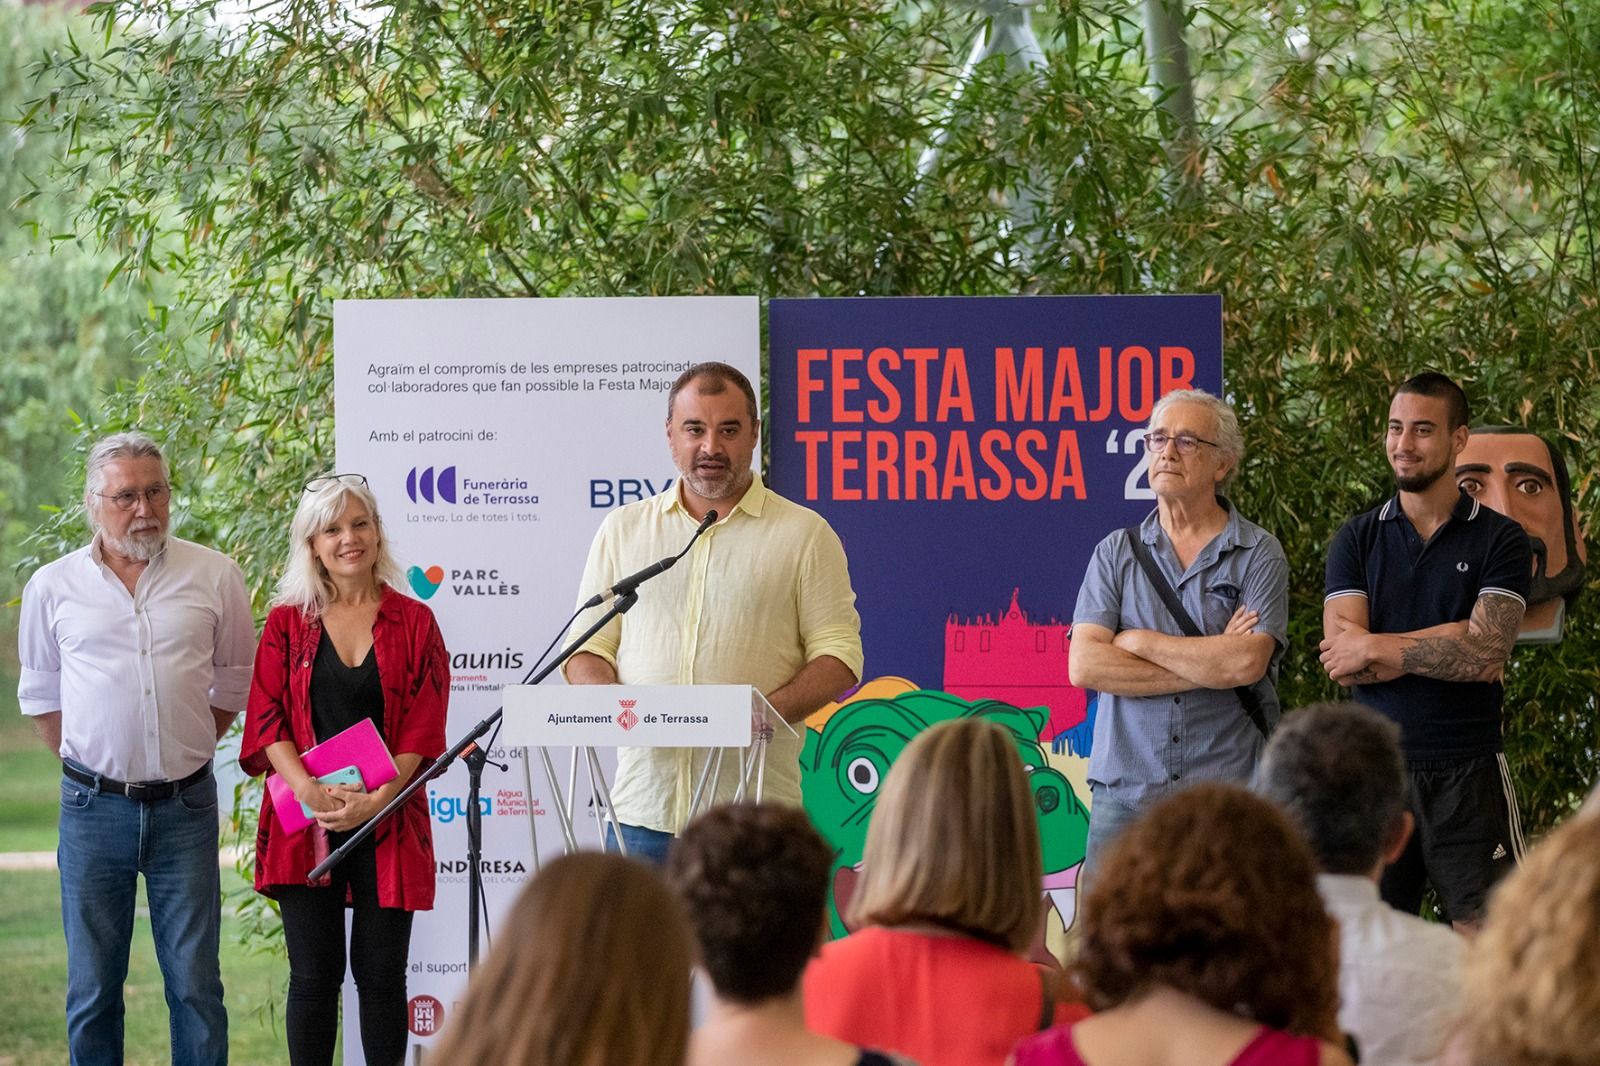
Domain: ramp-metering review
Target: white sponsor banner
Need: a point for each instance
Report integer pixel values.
(640, 716)
(496, 434)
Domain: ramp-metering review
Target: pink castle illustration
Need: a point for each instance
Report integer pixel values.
(1014, 659)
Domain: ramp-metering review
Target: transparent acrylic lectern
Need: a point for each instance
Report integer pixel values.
(711, 719)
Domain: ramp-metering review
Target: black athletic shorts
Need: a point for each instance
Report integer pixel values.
(1468, 836)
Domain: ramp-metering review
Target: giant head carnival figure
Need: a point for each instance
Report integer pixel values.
(1520, 474)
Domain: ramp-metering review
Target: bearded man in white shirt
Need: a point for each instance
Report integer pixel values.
(136, 653)
(763, 598)
(1337, 771)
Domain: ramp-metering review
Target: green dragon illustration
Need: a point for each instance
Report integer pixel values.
(843, 765)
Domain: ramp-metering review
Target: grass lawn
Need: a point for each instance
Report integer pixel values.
(31, 996)
(32, 1007)
(30, 778)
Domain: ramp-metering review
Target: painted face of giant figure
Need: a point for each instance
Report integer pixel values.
(1520, 475)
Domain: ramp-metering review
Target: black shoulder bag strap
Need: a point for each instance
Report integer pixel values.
(1249, 698)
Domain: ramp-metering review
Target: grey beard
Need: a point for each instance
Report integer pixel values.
(139, 546)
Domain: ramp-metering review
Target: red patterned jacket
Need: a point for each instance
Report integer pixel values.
(414, 670)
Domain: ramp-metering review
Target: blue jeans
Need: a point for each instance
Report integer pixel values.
(107, 841)
(1107, 820)
(647, 845)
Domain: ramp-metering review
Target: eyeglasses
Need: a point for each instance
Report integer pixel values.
(1187, 442)
(126, 500)
(355, 481)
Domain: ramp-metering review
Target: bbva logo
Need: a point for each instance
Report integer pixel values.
(422, 484)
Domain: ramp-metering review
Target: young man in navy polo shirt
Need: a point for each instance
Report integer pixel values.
(1425, 595)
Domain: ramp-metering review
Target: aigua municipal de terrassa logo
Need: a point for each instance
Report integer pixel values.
(626, 718)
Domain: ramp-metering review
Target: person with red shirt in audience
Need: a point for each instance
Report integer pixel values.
(341, 645)
(1205, 943)
(948, 903)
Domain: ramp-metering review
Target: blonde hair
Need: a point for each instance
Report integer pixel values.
(954, 840)
(591, 968)
(1532, 984)
(305, 583)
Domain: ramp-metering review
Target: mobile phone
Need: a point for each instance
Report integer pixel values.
(345, 775)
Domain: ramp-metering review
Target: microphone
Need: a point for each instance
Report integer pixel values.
(634, 580)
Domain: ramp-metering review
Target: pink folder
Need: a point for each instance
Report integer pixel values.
(359, 746)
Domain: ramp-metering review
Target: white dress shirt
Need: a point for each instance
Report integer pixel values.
(135, 676)
(1399, 976)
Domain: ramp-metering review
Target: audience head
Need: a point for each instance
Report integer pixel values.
(954, 839)
(1213, 894)
(1532, 984)
(1336, 770)
(590, 968)
(755, 881)
(305, 583)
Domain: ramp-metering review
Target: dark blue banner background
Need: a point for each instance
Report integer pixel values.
(916, 563)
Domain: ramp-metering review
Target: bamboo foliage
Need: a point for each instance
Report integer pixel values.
(1374, 189)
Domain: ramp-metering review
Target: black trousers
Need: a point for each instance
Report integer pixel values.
(380, 941)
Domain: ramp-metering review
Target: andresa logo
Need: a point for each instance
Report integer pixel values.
(423, 484)
(446, 809)
(487, 866)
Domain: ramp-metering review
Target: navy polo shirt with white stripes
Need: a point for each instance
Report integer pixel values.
(1411, 585)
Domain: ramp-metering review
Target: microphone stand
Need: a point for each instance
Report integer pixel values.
(475, 757)
(626, 594)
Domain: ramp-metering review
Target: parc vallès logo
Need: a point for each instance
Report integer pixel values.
(462, 581)
(425, 582)
(626, 718)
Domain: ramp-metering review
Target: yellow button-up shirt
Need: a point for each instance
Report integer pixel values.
(762, 593)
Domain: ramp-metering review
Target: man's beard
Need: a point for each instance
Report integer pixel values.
(717, 485)
(1544, 587)
(142, 546)
(1422, 480)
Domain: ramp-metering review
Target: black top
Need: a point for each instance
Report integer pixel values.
(340, 697)
(1412, 585)
(343, 695)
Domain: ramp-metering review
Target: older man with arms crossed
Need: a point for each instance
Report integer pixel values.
(1424, 598)
(136, 653)
(1181, 700)
(1337, 771)
(762, 599)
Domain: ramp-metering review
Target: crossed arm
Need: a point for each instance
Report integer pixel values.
(1474, 650)
(1143, 662)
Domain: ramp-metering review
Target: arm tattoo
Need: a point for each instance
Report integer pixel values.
(1490, 635)
(1365, 676)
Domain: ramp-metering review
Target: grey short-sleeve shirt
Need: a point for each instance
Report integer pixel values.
(1148, 746)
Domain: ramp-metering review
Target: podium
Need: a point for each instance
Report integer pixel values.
(711, 719)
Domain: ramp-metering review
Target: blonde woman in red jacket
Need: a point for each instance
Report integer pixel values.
(341, 644)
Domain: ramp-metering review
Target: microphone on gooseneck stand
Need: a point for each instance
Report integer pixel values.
(634, 580)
